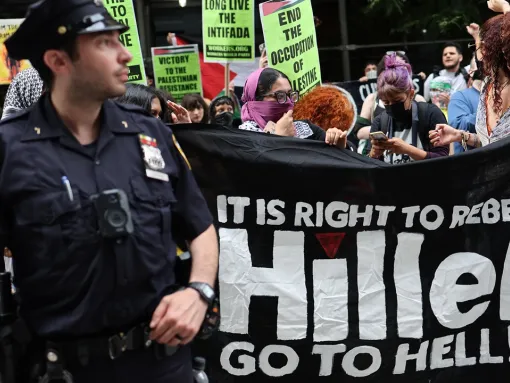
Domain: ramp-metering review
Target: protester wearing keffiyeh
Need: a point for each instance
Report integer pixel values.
(25, 90)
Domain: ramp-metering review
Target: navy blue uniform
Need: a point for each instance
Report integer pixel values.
(72, 281)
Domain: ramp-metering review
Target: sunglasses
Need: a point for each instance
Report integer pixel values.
(398, 53)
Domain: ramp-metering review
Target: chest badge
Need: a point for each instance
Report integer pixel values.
(152, 158)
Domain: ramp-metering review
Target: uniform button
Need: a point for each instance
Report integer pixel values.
(119, 241)
(98, 162)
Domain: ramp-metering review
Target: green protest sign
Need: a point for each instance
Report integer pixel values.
(291, 43)
(177, 70)
(123, 11)
(228, 30)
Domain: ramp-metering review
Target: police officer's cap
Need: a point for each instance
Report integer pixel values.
(50, 23)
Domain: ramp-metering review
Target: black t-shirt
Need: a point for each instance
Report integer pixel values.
(429, 116)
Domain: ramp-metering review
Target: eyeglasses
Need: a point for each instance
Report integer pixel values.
(398, 53)
(281, 96)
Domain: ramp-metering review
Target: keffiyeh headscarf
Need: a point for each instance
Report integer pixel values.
(25, 90)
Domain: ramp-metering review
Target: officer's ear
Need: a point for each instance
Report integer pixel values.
(57, 61)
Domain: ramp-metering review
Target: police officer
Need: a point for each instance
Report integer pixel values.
(92, 195)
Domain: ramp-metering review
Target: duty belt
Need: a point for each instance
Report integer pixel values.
(113, 346)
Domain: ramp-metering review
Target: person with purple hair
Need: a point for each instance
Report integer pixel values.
(405, 122)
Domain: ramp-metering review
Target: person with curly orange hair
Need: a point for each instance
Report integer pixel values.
(327, 106)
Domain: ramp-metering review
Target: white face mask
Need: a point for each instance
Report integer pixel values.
(372, 74)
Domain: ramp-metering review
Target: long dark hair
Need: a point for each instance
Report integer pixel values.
(195, 101)
(266, 81)
(142, 95)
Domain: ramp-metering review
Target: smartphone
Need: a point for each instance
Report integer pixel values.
(262, 48)
(379, 136)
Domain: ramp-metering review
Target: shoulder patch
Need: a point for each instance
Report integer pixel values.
(12, 114)
(176, 143)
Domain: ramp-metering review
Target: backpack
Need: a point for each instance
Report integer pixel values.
(461, 71)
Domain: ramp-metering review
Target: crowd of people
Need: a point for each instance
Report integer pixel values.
(76, 91)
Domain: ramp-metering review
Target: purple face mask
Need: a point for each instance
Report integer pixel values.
(263, 112)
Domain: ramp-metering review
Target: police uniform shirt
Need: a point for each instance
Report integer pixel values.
(71, 280)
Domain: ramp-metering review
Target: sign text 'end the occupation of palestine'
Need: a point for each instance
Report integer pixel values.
(239, 280)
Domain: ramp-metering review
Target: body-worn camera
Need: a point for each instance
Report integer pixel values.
(113, 213)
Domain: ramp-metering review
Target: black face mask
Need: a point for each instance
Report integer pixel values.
(398, 111)
(224, 119)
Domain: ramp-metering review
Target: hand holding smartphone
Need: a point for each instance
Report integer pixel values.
(378, 136)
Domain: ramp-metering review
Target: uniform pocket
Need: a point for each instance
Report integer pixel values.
(48, 225)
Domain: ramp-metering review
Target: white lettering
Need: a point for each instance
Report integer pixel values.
(410, 213)
(239, 281)
(342, 219)
(384, 212)
(490, 212)
(408, 285)
(371, 288)
(352, 370)
(303, 213)
(248, 362)
(330, 291)
(354, 215)
(472, 218)
(459, 216)
(485, 352)
(327, 353)
(239, 203)
(460, 352)
(278, 218)
(289, 368)
(445, 293)
(403, 357)
(221, 201)
(431, 225)
(439, 349)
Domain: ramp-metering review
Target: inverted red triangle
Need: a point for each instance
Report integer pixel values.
(330, 242)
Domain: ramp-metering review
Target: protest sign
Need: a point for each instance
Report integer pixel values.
(9, 67)
(177, 70)
(123, 11)
(291, 43)
(360, 90)
(388, 274)
(228, 30)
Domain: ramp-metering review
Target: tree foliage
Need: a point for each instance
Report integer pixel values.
(442, 16)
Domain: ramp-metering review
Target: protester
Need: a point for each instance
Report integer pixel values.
(327, 106)
(268, 106)
(221, 111)
(405, 122)
(493, 116)
(452, 69)
(464, 105)
(145, 97)
(197, 108)
(24, 91)
(370, 72)
(373, 107)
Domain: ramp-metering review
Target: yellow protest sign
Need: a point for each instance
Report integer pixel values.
(9, 67)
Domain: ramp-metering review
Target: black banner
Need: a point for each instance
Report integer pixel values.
(338, 268)
(360, 90)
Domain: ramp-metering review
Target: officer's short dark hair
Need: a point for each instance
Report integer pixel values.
(69, 46)
(453, 44)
